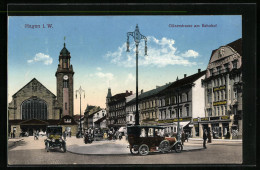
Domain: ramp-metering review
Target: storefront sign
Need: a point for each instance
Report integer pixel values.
(224, 117)
(174, 120)
(195, 120)
(214, 118)
(219, 103)
(219, 88)
(204, 119)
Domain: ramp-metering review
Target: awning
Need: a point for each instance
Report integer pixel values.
(183, 124)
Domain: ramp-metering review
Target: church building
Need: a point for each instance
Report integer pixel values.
(34, 107)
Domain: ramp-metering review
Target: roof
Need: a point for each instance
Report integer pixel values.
(34, 79)
(119, 97)
(109, 93)
(236, 45)
(150, 93)
(187, 80)
(76, 117)
(64, 51)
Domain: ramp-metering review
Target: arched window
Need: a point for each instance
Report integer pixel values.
(34, 108)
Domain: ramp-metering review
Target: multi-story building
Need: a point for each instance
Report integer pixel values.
(184, 96)
(98, 115)
(130, 109)
(223, 92)
(116, 115)
(88, 115)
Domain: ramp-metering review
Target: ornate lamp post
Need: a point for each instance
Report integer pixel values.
(80, 91)
(137, 38)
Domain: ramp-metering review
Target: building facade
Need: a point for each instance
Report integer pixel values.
(34, 107)
(223, 92)
(116, 115)
(184, 97)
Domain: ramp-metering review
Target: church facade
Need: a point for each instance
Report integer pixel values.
(34, 107)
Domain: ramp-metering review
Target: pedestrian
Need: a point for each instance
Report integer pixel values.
(182, 138)
(12, 135)
(64, 135)
(209, 136)
(187, 136)
(205, 136)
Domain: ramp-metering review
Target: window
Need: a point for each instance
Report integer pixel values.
(180, 96)
(234, 64)
(225, 110)
(180, 112)
(235, 93)
(215, 96)
(221, 93)
(215, 111)
(226, 67)
(209, 95)
(65, 83)
(170, 113)
(65, 106)
(220, 82)
(187, 111)
(218, 111)
(34, 108)
(174, 129)
(222, 111)
(211, 72)
(175, 99)
(187, 96)
(218, 69)
(160, 115)
(164, 114)
(209, 112)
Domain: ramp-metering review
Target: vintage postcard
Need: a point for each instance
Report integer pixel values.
(75, 83)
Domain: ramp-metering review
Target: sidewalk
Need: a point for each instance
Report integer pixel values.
(111, 147)
(13, 141)
(217, 140)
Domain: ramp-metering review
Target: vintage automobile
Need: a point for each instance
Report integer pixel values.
(145, 139)
(54, 138)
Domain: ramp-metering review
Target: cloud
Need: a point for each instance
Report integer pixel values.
(161, 52)
(99, 69)
(40, 57)
(130, 78)
(190, 53)
(108, 76)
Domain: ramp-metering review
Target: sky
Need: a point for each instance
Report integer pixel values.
(97, 45)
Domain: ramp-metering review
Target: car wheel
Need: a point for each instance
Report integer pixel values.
(178, 147)
(143, 150)
(164, 146)
(64, 148)
(134, 151)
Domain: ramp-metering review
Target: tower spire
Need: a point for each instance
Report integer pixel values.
(64, 41)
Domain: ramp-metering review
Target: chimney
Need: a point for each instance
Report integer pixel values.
(126, 91)
(142, 91)
(131, 92)
(185, 75)
(199, 70)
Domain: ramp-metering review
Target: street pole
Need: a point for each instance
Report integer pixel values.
(178, 126)
(137, 38)
(80, 91)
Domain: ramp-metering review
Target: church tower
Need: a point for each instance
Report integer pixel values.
(64, 78)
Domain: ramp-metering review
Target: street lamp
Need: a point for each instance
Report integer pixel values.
(137, 38)
(178, 114)
(80, 91)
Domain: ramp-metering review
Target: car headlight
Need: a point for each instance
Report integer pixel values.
(53, 140)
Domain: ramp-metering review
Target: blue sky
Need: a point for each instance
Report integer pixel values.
(98, 43)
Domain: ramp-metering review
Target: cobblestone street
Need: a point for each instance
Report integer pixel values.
(32, 152)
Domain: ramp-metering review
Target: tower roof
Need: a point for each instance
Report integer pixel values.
(64, 51)
(109, 93)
